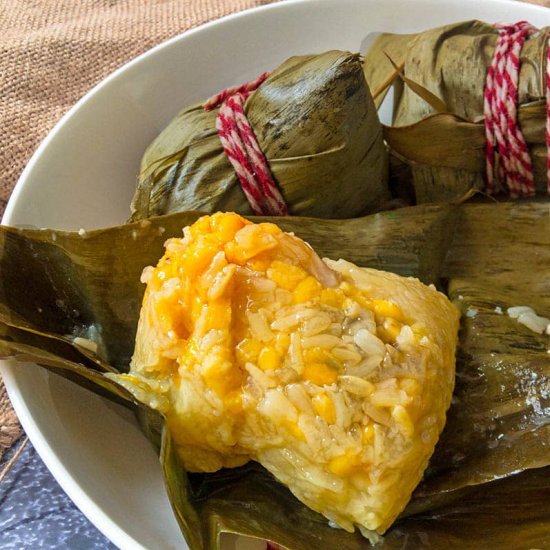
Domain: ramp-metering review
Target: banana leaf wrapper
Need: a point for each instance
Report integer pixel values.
(316, 123)
(438, 129)
(58, 289)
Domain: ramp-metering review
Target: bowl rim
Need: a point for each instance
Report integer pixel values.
(112, 530)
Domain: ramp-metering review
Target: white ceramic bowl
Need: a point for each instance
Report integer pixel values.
(83, 175)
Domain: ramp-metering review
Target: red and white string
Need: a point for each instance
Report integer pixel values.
(504, 136)
(243, 151)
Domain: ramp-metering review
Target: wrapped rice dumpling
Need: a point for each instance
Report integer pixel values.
(315, 122)
(438, 129)
(335, 378)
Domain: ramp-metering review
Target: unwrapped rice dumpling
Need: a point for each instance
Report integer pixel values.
(335, 378)
(316, 124)
(437, 130)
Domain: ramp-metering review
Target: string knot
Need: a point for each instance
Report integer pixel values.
(243, 150)
(504, 136)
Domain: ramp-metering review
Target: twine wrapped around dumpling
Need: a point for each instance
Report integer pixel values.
(315, 122)
(438, 129)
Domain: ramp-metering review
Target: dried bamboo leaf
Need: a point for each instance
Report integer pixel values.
(13, 345)
(177, 486)
(503, 371)
(80, 286)
(386, 47)
(440, 138)
(446, 151)
(467, 249)
(510, 513)
(431, 99)
(248, 501)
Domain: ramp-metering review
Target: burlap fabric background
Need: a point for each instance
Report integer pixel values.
(52, 52)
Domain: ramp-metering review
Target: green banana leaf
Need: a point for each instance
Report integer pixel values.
(59, 289)
(315, 121)
(445, 151)
(508, 364)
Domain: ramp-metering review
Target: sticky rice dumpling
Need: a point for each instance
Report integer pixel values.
(316, 124)
(335, 378)
(443, 143)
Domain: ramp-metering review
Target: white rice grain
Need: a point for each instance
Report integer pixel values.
(259, 377)
(276, 406)
(357, 386)
(287, 322)
(515, 311)
(300, 398)
(295, 353)
(369, 343)
(259, 326)
(317, 324)
(86, 343)
(325, 341)
(347, 354)
(534, 322)
(365, 367)
(406, 337)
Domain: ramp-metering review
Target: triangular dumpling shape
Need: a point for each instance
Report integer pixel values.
(335, 378)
